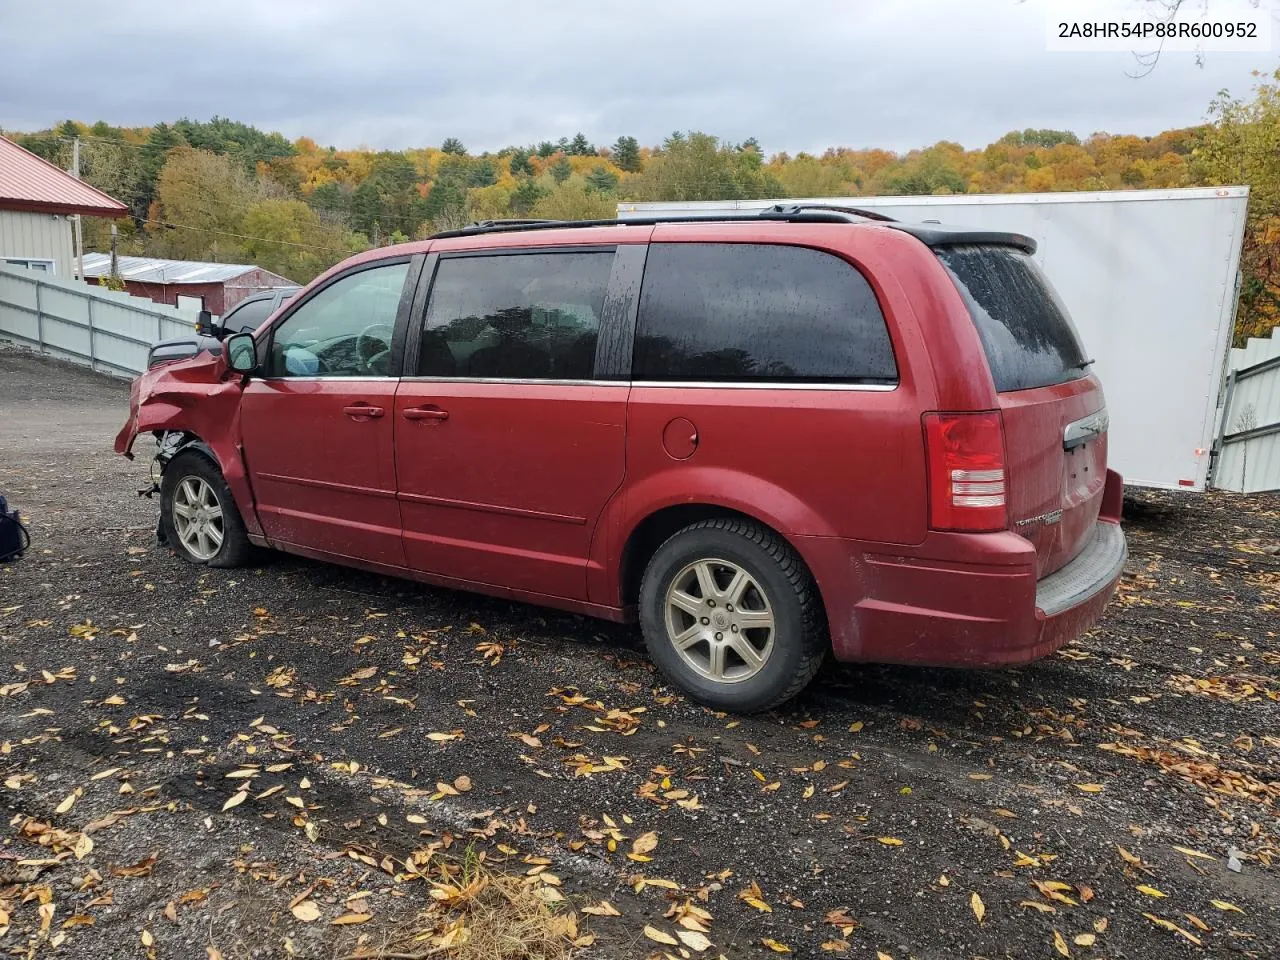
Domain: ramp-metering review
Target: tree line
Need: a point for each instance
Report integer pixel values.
(226, 191)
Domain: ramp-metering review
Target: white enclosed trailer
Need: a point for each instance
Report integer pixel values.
(1150, 278)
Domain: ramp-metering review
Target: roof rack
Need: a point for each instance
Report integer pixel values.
(784, 212)
(931, 234)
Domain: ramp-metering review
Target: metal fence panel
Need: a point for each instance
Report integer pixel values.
(1249, 451)
(104, 329)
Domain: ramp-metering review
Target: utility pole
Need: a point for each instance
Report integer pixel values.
(75, 172)
(115, 255)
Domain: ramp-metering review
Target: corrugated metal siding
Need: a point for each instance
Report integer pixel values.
(40, 236)
(1252, 465)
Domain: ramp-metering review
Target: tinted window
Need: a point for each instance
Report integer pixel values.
(732, 311)
(248, 316)
(528, 316)
(344, 330)
(1025, 330)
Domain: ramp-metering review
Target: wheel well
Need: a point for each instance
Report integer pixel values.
(654, 531)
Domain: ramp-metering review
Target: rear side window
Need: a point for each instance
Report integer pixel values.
(758, 312)
(1025, 329)
(249, 317)
(529, 316)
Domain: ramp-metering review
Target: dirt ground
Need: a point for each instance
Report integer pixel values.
(1119, 799)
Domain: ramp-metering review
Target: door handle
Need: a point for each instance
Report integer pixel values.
(426, 413)
(363, 410)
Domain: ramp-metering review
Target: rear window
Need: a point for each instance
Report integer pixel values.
(1025, 330)
(745, 312)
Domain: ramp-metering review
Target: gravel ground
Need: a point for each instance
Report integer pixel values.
(1117, 800)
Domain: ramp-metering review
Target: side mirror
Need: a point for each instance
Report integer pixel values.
(241, 352)
(204, 323)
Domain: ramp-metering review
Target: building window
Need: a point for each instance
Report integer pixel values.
(28, 263)
(190, 303)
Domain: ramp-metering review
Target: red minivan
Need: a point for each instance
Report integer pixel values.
(764, 438)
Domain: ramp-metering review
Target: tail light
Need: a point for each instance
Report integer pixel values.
(967, 478)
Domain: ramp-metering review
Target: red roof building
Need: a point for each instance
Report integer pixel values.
(37, 202)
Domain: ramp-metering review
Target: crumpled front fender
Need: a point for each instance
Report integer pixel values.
(201, 397)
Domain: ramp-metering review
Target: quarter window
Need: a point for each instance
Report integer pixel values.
(345, 330)
(525, 316)
(758, 312)
(248, 317)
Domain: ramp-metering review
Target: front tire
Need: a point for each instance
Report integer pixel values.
(198, 515)
(731, 616)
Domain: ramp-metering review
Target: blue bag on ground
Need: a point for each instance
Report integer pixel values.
(14, 538)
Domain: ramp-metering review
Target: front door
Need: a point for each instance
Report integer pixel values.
(507, 449)
(317, 427)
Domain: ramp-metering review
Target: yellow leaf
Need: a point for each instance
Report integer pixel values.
(235, 801)
(657, 936)
(774, 945)
(694, 940)
(307, 911)
(603, 909)
(1150, 891)
(1089, 787)
(890, 841)
(1085, 939)
(1037, 905)
(979, 908)
(69, 801)
(645, 843)
(855, 726)
(1194, 853)
(84, 845)
(808, 791)
(1060, 945)
(1224, 905)
(979, 776)
(836, 946)
(147, 939)
(1173, 927)
(349, 918)
(881, 955)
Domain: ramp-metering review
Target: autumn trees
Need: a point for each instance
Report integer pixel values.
(224, 189)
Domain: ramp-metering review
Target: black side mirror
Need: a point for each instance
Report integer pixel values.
(241, 352)
(204, 323)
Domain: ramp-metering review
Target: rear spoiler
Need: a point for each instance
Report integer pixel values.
(937, 235)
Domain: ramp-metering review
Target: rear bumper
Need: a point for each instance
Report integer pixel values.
(980, 607)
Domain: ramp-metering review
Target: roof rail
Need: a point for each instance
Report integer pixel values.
(787, 213)
(801, 211)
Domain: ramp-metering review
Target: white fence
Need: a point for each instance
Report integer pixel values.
(108, 331)
(1249, 435)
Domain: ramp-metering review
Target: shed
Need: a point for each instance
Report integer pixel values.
(216, 287)
(38, 202)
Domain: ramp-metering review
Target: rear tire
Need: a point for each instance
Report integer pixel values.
(198, 515)
(732, 616)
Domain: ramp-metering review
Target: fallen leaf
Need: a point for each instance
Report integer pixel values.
(657, 936)
(645, 843)
(774, 945)
(1225, 906)
(1089, 787)
(890, 841)
(235, 800)
(694, 940)
(1037, 905)
(147, 939)
(1173, 927)
(462, 784)
(1150, 891)
(1084, 939)
(1194, 853)
(603, 909)
(307, 911)
(1060, 944)
(69, 801)
(979, 908)
(350, 918)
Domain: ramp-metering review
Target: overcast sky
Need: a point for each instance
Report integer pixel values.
(798, 75)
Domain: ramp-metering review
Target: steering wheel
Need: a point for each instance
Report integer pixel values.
(372, 348)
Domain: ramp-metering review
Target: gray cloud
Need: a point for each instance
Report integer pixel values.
(392, 73)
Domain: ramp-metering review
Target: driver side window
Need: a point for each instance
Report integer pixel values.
(343, 331)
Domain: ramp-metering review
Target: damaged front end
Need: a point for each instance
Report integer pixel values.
(186, 404)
